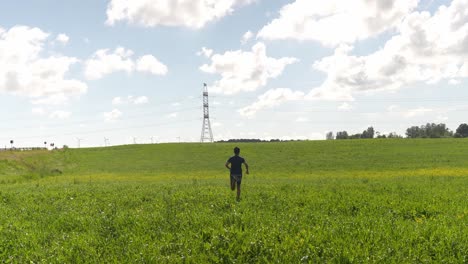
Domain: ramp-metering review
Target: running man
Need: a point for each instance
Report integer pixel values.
(236, 170)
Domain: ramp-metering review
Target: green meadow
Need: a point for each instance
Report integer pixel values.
(349, 201)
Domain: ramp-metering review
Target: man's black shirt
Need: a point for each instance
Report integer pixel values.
(236, 164)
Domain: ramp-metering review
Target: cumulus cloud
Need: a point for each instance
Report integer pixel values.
(172, 115)
(130, 100)
(104, 62)
(185, 13)
(56, 99)
(302, 119)
(25, 71)
(62, 38)
(427, 48)
(393, 108)
(117, 101)
(217, 124)
(246, 37)
(60, 115)
(270, 99)
(245, 70)
(417, 112)
(38, 111)
(334, 21)
(205, 52)
(140, 100)
(345, 107)
(112, 115)
(150, 64)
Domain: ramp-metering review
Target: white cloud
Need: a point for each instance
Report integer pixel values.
(38, 111)
(25, 71)
(345, 107)
(112, 115)
(246, 37)
(217, 124)
(130, 100)
(334, 21)
(150, 64)
(393, 108)
(417, 112)
(454, 82)
(63, 38)
(270, 99)
(302, 119)
(140, 100)
(205, 52)
(56, 99)
(245, 71)
(172, 115)
(426, 49)
(442, 118)
(60, 115)
(186, 13)
(104, 62)
(117, 101)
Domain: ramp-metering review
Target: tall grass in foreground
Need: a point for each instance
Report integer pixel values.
(402, 201)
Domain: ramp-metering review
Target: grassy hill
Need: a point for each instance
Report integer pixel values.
(401, 201)
(373, 158)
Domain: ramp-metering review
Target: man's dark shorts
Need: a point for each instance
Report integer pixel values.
(237, 178)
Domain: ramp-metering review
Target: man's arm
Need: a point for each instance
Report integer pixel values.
(246, 167)
(227, 165)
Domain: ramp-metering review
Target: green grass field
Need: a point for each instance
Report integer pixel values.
(356, 201)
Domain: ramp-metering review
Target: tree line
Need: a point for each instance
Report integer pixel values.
(429, 130)
(253, 140)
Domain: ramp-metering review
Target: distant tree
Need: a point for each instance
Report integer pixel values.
(462, 131)
(430, 130)
(381, 135)
(414, 132)
(437, 131)
(329, 136)
(355, 136)
(368, 133)
(342, 135)
(393, 135)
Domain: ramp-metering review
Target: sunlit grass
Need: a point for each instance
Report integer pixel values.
(397, 201)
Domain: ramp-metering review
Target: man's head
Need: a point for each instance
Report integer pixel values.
(236, 150)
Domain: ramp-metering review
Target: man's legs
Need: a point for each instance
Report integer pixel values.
(233, 183)
(236, 181)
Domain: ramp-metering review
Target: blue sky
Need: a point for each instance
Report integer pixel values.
(133, 71)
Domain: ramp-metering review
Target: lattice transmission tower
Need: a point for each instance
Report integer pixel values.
(206, 134)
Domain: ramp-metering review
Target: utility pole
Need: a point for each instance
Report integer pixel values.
(152, 140)
(79, 142)
(134, 140)
(207, 133)
(106, 142)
